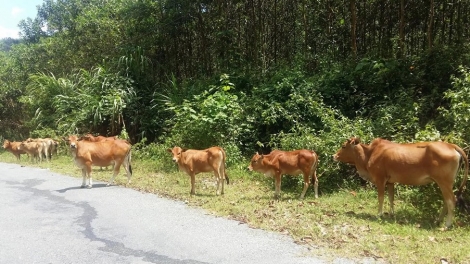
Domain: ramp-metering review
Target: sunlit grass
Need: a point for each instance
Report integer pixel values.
(342, 224)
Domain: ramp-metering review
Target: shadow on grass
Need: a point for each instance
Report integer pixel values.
(401, 218)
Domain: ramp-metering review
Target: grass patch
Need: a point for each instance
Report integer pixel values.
(343, 223)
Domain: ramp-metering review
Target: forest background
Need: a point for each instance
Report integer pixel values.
(246, 75)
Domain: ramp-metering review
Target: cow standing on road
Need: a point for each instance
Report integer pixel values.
(385, 163)
(279, 162)
(104, 153)
(194, 161)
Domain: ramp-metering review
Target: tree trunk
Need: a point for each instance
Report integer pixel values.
(352, 6)
(401, 43)
(430, 24)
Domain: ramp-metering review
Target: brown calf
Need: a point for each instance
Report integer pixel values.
(194, 161)
(34, 149)
(278, 162)
(384, 163)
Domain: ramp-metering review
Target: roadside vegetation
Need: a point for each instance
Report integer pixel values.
(255, 76)
(342, 223)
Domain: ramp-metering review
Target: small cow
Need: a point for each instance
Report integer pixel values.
(12, 146)
(86, 154)
(194, 161)
(384, 163)
(278, 162)
(33, 148)
(47, 146)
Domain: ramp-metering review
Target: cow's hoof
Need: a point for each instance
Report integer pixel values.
(89, 186)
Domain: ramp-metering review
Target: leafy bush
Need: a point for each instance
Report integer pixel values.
(214, 117)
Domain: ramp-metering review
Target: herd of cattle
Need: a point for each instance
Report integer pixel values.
(381, 162)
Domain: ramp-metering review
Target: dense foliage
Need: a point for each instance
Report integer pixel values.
(247, 75)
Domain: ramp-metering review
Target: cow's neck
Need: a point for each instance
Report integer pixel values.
(362, 156)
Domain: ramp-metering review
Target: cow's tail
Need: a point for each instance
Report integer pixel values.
(224, 157)
(128, 160)
(314, 167)
(464, 180)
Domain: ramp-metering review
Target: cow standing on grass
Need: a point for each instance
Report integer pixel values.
(194, 161)
(12, 146)
(34, 149)
(385, 163)
(47, 146)
(279, 162)
(104, 153)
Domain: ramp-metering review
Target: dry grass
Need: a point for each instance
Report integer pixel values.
(340, 224)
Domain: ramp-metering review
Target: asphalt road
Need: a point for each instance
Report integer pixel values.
(47, 218)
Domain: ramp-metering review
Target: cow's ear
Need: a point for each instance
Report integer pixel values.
(184, 150)
(169, 150)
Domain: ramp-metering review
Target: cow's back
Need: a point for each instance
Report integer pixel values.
(293, 162)
(101, 153)
(202, 160)
(420, 161)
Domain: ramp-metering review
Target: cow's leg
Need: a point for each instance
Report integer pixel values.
(84, 178)
(193, 182)
(116, 168)
(218, 172)
(381, 191)
(90, 178)
(306, 179)
(277, 185)
(449, 204)
(391, 194)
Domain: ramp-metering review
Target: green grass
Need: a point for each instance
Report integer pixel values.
(342, 224)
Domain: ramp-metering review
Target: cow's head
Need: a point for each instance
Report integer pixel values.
(176, 152)
(72, 141)
(6, 143)
(346, 153)
(255, 161)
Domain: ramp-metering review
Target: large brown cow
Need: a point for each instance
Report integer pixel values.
(278, 162)
(194, 161)
(12, 146)
(86, 154)
(384, 163)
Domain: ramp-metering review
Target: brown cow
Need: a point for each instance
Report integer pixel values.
(90, 137)
(34, 149)
(47, 146)
(86, 154)
(12, 146)
(278, 162)
(384, 163)
(194, 161)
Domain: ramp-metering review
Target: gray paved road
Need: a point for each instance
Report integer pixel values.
(46, 218)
